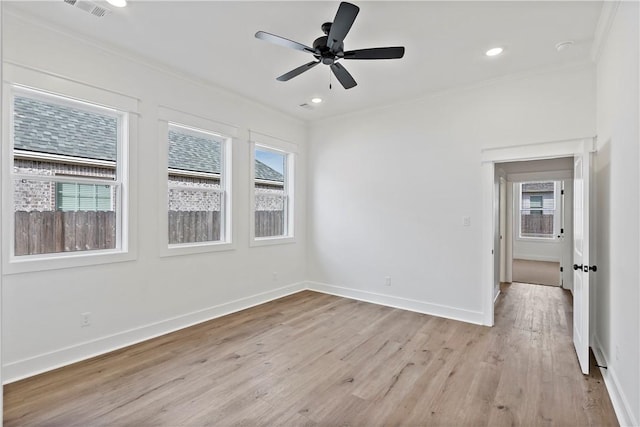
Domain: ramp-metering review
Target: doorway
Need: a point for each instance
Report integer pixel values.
(539, 221)
(581, 150)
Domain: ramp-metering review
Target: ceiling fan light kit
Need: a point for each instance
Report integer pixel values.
(329, 49)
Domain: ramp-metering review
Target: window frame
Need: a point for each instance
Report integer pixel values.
(556, 214)
(289, 150)
(67, 92)
(170, 117)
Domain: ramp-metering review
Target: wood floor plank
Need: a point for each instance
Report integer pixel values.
(312, 359)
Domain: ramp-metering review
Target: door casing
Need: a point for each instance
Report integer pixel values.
(491, 156)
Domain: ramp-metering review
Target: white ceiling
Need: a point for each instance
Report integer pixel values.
(445, 44)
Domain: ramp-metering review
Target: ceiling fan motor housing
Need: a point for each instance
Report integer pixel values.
(324, 54)
(329, 48)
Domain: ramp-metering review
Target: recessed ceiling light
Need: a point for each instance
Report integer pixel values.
(117, 3)
(494, 51)
(316, 100)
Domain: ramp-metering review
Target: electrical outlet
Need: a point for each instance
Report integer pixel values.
(387, 281)
(85, 319)
(274, 276)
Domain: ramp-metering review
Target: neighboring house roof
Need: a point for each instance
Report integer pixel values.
(537, 187)
(192, 153)
(267, 173)
(44, 127)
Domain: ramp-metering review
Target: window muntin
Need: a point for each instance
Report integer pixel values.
(65, 150)
(197, 193)
(271, 198)
(537, 209)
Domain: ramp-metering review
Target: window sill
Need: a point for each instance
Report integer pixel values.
(267, 241)
(196, 248)
(57, 261)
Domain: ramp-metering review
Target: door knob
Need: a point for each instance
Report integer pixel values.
(577, 267)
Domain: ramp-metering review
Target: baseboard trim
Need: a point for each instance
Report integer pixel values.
(534, 257)
(417, 306)
(618, 399)
(41, 363)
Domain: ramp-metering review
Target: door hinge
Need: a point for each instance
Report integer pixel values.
(562, 231)
(562, 192)
(561, 269)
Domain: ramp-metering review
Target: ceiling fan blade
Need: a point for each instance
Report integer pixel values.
(376, 53)
(343, 76)
(272, 38)
(296, 72)
(341, 25)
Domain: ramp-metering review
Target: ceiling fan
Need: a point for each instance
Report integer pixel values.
(329, 48)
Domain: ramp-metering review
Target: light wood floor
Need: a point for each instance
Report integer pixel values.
(314, 359)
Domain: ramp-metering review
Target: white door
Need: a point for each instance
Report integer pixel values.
(581, 258)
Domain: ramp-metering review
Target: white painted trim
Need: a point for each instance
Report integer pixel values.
(2, 123)
(27, 78)
(603, 27)
(538, 150)
(197, 123)
(540, 176)
(417, 306)
(488, 239)
(45, 362)
(616, 394)
(272, 142)
(495, 300)
(535, 257)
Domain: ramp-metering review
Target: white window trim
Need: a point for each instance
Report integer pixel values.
(556, 216)
(265, 142)
(36, 84)
(170, 116)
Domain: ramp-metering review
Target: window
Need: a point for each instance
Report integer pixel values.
(538, 213)
(67, 175)
(272, 201)
(86, 197)
(198, 195)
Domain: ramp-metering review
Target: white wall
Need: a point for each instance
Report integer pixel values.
(616, 289)
(388, 188)
(133, 300)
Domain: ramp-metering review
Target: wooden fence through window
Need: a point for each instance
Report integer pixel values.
(57, 231)
(537, 225)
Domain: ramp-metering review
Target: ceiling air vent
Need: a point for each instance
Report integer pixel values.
(306, 106)
(89, 7)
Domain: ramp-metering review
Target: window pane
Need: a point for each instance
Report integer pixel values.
(197, 220)
(41, 227)
(537, 210)
(270, 196)
(195, 193)
(89, 197)
(51, 128)
(52, 138)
